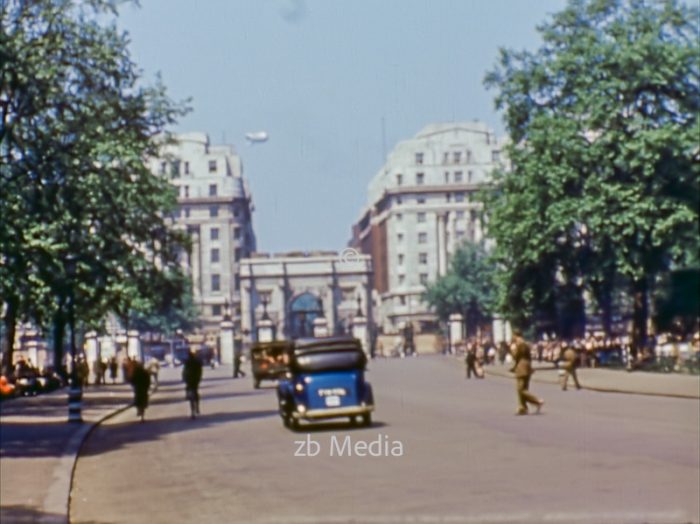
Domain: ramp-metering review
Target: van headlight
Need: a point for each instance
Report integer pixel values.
(299, 386)
(301, 408)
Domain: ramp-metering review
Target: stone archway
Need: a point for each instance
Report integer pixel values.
(303, 309)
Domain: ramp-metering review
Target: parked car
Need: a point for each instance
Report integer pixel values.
(269, 361)
(326, 379)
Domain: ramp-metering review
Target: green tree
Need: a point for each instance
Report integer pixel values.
(603, 127)
(84, 228)
(467, 288)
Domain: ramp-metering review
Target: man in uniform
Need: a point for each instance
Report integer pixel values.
(570, 365)
(523, 371)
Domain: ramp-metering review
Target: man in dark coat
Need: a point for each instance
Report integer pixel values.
(141, 382)
(470, 360)
(523, 371)
(192, 376)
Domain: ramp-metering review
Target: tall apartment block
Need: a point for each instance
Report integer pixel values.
(215, 208)
(421, 207)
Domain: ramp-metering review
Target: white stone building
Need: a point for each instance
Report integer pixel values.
(421, 206)
(215, 208)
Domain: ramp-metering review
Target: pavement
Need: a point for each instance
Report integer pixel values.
(39, 448)
(604, 380)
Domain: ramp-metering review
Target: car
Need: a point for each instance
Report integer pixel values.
(269, 361)
(326, 380)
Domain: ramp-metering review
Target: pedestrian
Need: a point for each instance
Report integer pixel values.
(523, 371)
(113, 368)
(192, 375)
(237, 371)
(140, 382)
(470, 361)
(570, 365)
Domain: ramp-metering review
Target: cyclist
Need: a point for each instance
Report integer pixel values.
(192, 375)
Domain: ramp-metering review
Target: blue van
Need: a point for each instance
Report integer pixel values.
(325, 379)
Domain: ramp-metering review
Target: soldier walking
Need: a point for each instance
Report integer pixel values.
(523, 371)
(570, 365)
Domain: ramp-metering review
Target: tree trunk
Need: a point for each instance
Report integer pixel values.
(10, 321)
(640, 313)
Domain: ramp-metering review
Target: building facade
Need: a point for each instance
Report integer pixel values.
(215, 208)
(294, 290)
(421, 207)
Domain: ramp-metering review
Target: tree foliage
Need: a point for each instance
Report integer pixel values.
(468, 286)
(603, 126)
(83, 224)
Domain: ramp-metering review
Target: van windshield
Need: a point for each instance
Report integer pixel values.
(330, 361)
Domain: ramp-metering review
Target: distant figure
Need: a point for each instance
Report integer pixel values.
(523, 371)
(140, 382)
(570, 365)
(237, 371)
(154, 369)
(192, 376)
(113, 368)
(470, 361)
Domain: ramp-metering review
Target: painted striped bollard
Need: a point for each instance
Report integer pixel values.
(75, 402)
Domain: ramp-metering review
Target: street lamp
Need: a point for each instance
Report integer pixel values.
(75, 392)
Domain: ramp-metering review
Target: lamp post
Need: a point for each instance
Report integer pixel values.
(75, 391)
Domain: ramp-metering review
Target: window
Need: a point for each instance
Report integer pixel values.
(216, 282)
(419, 158)
(469, 177)
(214, 233)
(402, 279)
(235, 212)
(237, 282)
(458, 176)
(401, 260)
(399, 237)
(424, 278)
(447, 177)
(399, 180)
(457, 157)
(163, 167)
(420, 200)
(399, 200)
(459, 197)
(187, 191)
(448, 197)
(460, 214)
(175, 168)
(496, 156)
(187, 212)
(212, 190)
(214, 255)
(402, 300)
(472, 215)
(469, 157)
(213, 211)
(216, 311)
(420, 217)
(236, 232)
(422, 238)
(399, 217)
(445, 158)
(187, 168)
(212, 166)
(420, 179)
(237, 254)
(422, 258)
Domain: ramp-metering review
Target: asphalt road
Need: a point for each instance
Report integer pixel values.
(588, 458)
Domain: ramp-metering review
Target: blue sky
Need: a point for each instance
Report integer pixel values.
(320, 76)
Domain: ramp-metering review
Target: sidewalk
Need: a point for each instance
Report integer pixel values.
(615, 380)
(38, 449)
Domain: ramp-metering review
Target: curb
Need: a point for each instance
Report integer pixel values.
(603, 390)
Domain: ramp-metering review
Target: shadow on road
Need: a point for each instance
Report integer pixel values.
(115, 436)
(339, 425)
(29, 515)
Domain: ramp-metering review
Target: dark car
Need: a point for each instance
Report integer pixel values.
(269, 360)
(326, 379)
